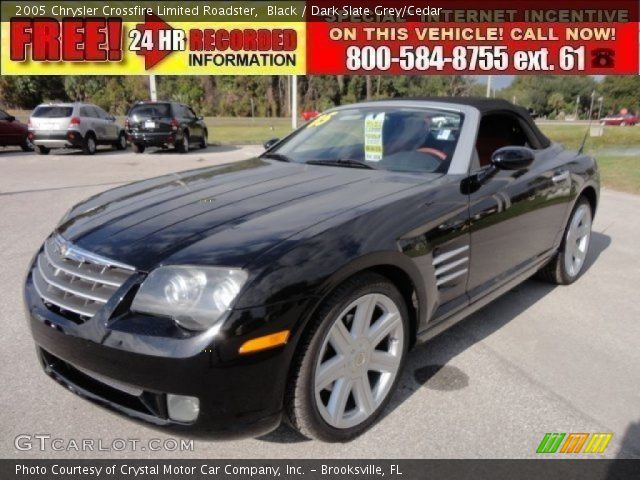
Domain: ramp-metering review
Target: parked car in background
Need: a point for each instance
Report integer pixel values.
(74, 125)
(14, 132)
(165, 125)
(620, 120)
(309, 115)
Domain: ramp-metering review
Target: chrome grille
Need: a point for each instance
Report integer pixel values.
(75, 280)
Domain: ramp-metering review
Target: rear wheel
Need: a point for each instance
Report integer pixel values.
(568, 264)
(89, 144)
(138, 148)
(43, 150)
(350, 361)
(183, 146)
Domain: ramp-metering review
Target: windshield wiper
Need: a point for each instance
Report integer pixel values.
(342, 163)
(277, 156)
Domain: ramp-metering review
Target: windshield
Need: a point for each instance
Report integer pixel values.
(155, 110)
(52, 112)
(397, 139)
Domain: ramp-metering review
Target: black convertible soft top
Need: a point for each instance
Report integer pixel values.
(491, 105)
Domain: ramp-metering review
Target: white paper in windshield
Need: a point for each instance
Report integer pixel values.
(373, 137)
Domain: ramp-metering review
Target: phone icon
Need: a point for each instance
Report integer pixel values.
(602, 58)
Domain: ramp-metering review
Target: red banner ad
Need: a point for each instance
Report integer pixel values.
(501, 38)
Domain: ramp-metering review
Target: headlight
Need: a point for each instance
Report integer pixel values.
(195, 297)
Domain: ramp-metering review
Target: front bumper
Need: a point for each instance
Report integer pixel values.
(239, 395)
(57, 139)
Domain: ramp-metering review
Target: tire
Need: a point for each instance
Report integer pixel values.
(310, 405)
(89, 146)
(568, 263)
(138, 148)
(27, 146)
(121, 144)
(204, 142)
(43, 150)
(183, 146)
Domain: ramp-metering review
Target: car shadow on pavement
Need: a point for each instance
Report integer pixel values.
(211, 148)
(629, 449)
(427, 364)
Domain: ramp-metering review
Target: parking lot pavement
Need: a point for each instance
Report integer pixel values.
(540, 359)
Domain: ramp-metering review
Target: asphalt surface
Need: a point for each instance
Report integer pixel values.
(540, 359)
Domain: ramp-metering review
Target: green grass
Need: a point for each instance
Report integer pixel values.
(617, 152)
(225, 130)
(620, 173)
(571, 136)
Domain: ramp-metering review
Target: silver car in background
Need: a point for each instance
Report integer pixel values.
(74, 125)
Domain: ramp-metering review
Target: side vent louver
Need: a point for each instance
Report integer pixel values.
(450, 265)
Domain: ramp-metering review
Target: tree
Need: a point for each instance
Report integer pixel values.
(534, 92)
(556, 102)
(27, 91)
(621, 91)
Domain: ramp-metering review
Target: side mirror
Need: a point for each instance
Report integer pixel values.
(11, 118)
(270, 143)
(200, 118)
(512, 158)
(112, 118)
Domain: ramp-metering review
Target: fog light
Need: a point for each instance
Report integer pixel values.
(182, 408)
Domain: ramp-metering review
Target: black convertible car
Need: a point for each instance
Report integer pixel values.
(223, 300)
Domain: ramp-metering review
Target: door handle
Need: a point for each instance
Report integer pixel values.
(561, 176)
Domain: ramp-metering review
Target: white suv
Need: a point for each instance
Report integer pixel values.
(74, 125)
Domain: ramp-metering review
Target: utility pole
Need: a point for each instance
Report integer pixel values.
(593, 96)
(577, 106)
(294, 102)
(488, 86)
(601, 99)
(152, 88)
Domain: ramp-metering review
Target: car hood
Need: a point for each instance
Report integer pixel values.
(225, 215)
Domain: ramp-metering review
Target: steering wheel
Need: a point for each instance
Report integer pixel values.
(433, 152)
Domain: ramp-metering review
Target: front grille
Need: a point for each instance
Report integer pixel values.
(76, 281)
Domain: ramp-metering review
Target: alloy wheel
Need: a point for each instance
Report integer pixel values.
(359, 361)
(577, 240)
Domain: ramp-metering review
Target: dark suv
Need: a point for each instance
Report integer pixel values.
(165, 124)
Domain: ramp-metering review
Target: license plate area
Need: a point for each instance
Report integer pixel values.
(149, 124)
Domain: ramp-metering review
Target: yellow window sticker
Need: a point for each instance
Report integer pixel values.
(373, 149)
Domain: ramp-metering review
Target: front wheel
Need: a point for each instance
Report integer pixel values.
(138, 148)
(204, 141)
(43, 150)
(349, 363)
(568, 263)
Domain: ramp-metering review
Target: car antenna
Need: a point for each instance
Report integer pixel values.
(586, 134)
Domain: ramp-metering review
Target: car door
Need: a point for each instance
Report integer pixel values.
(111, 127)
(194, 125)
(515, 216)
(10, 132)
